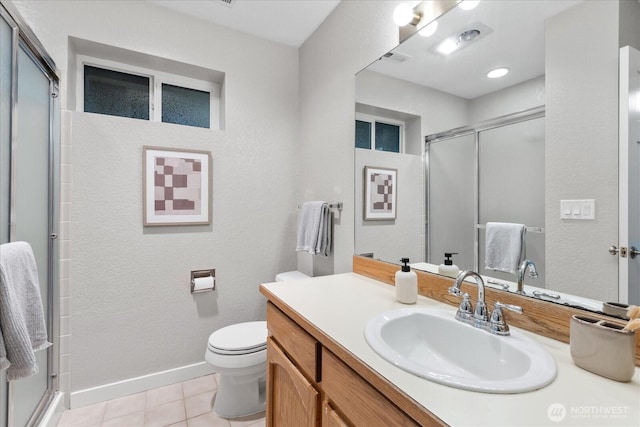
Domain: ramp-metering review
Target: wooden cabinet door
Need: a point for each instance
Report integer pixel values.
(292, 401)
(330, 418)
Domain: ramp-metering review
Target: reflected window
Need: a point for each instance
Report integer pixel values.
(379, 133)
(363, 134)
(387, 137)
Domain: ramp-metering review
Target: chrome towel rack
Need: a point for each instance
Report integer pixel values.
(333, 205)
(529, 229)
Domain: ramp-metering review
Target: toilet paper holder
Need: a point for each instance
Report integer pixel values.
(203, 274)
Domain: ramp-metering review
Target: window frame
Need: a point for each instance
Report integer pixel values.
(156, 79)
(373, 119)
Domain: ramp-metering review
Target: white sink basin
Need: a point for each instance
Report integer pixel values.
(432, 344)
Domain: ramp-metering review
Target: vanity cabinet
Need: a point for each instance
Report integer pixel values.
(309, 386)
(291, 399)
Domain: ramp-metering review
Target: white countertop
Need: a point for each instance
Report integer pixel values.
(341, 305)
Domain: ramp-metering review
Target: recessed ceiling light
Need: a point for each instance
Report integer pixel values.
(469, 4)
(498, 72)
(429, 30)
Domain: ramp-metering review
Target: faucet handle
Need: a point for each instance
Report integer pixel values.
(510, 307)
(465, 311)
(497, 324)
(465, 305)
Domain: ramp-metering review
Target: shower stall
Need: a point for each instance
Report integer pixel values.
(29, 168)
(488, 172)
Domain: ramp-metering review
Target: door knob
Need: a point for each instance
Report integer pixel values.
(613, 250)
(633, 252)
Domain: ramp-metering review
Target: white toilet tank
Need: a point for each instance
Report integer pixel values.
(290, 275)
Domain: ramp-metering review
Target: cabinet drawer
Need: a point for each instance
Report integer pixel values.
(356, 398)
(301, 347)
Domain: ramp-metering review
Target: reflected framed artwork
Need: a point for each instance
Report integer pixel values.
(176, 187)
(380, 190)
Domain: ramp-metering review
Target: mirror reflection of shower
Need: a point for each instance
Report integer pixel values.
(491, 172)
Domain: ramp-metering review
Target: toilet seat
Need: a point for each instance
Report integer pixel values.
(239, 339)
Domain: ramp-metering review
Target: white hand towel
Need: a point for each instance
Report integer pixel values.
(504, 248)
(21, 314)
(314, 230)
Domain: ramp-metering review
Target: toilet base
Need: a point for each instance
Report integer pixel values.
(239, 396)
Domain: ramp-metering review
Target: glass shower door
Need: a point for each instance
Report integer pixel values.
(28, 196)
(30, 215)
(451, 164)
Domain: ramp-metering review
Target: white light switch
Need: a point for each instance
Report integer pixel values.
(578, 209)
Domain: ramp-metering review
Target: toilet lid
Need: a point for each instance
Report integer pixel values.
(240, 338)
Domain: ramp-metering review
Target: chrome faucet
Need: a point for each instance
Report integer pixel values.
(480, 313)
(480, 317)
(533, 273)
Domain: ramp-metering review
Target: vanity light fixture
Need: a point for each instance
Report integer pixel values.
(498, 72)
(468, 4)
(429, 30)
(404, 15)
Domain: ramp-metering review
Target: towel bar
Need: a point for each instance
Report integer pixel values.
(336, 205)
(529, 229)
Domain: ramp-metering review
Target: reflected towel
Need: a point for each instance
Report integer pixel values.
(22, 323)
(314, 231)
(505, 248)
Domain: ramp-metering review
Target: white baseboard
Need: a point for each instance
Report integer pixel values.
(118, 389)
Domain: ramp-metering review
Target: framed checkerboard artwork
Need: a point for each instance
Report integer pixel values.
(176, 187)
(380, 193)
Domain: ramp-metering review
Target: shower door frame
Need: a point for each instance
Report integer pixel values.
(24, 38)
(475, 129)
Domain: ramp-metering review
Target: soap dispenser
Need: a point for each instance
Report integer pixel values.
(449, 268)
(406, 284)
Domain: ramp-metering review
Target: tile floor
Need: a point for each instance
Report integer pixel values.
(186, 404)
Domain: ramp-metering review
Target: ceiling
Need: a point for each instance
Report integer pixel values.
(289, 22)
(512, 35)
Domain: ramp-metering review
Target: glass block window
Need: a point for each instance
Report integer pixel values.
(184, 106)
(363, 134)
(387, 137)
(116, 93)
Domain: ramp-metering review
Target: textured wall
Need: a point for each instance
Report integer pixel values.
(581, 153)
(405, 237)
(355, 34)
(131, 311)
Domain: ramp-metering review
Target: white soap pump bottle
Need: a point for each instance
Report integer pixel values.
(406, 284)
(449, 268)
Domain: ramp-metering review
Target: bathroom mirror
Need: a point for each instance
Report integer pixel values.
(506, 149)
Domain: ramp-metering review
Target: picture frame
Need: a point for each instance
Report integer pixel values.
(176, 186)
(380, 193)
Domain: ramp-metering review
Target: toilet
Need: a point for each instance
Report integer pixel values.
(239, 354)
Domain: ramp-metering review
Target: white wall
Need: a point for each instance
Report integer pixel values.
(390, 240)
(581, 153)
(438, 111)
(351, 37)
(131, 311)
(512, 99)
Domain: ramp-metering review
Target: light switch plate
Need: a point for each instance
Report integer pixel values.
(578, 209)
